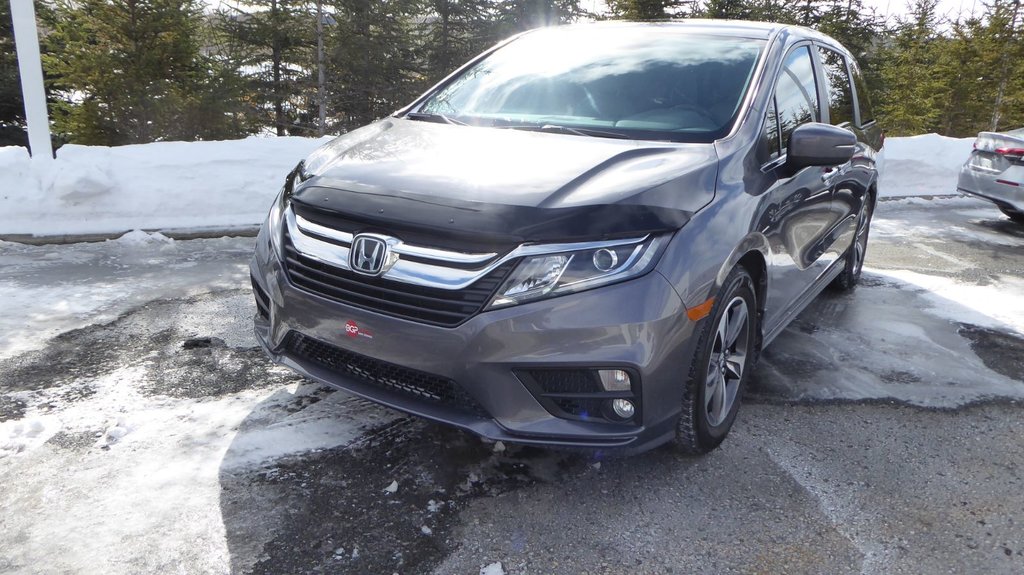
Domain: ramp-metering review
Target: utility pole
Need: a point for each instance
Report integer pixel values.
(30, 68)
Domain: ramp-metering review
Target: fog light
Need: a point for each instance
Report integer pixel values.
(614, 380)
(623, 408)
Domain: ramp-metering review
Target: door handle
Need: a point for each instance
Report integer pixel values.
(830, 174)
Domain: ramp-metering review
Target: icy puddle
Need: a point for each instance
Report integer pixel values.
(913, 338)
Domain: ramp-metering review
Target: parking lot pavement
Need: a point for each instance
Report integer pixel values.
(881, 434)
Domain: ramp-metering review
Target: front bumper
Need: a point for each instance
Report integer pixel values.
(639, 325)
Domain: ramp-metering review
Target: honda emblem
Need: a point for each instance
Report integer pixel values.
(368, 255)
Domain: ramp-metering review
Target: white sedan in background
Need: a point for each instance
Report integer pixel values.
(995, 171)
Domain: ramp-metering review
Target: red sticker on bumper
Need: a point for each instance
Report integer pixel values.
(352, 329)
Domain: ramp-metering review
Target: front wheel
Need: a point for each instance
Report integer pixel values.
(719, 371)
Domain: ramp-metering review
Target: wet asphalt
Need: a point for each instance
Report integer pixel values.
(879, 435)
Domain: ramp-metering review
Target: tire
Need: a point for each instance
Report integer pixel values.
(854, 256)
(716, 380)
(1013, 214)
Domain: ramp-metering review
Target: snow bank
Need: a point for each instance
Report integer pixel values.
(98, 189)
(95, 189)
(923, 165)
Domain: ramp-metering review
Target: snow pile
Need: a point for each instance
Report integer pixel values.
(25, 434)
(98, 189)
(923, 165)
(195, 185)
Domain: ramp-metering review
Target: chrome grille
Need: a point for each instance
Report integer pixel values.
(424, 304)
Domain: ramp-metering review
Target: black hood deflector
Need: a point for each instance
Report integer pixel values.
(483, 222)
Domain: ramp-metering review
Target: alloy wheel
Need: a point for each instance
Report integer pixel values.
(860, 244)
(727, 362)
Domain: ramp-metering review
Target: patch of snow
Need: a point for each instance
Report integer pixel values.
(492, 569)
(139, 237)
(998, 306)
(875, 343)
(900, 222)
(156, 468)
(268, 436)
(26, 434)
(47, 290)
(98, 189)
(116, 432)
(928, 164)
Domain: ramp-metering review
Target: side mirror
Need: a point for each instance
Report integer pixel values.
(816, 144)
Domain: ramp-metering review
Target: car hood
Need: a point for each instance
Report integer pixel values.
(506, 184)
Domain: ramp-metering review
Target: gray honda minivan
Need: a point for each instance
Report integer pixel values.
(581, 238)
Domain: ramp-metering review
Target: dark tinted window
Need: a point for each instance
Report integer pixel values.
(837, 80)
(863, 101)
(795, 93)
(643, 82)
(772, 147)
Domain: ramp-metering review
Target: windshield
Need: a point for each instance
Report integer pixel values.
(656, 83)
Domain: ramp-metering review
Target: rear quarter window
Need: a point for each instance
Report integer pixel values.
(837, 83)
(863, 100)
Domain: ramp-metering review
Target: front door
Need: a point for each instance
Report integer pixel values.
(797, 218)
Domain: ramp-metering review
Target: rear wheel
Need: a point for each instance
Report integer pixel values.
(1013, 214)
(854, 257)
(720, 367)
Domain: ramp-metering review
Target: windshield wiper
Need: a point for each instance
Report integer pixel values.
(567, 130)
(425, 117)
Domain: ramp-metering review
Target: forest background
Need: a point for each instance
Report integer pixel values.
(136, 71)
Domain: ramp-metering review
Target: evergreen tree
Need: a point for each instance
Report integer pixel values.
(455, 31)
(372, 67)
(759, 10)
(518, 15)
(271, 42)
(131, 71)
(1002, 39)
(960, 64)
(912, 89)
(807, 12)
(648, 9)
(854, 26)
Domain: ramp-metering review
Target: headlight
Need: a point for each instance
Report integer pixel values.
(602, 263)
(275, 224)
(275, 220)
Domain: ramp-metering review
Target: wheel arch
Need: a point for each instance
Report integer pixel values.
(752, 253)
